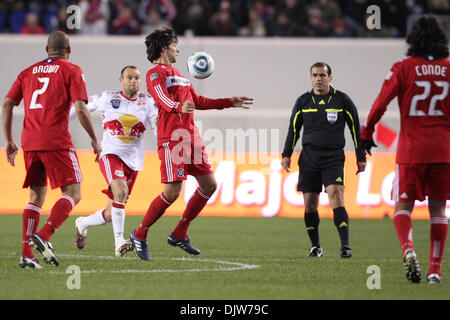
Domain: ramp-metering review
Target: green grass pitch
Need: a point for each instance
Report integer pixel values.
(241, 258)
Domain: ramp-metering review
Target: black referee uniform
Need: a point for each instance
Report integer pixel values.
(321, 162)
(323, 118)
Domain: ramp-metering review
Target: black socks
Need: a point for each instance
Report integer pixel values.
(341, 223)
(312, 221)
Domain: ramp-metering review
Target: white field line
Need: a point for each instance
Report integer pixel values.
(225, 265)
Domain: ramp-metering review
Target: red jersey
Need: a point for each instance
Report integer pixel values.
(170, 89)
(422, 88)
(48, 89)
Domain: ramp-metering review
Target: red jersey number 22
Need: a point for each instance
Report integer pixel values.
(432, 111)
(33, 104)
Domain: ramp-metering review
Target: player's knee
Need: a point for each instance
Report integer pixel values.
(172, 194)
(210, 188)
(76, 198)
(37, 200)
(311, 207)
(120, 194)
(119, 189)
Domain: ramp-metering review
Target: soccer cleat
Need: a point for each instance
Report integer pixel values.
(141, 247)
(127, 246)
(315, 252)
(26, 262)
(45, 248)
(186, 245)
(346, 252)
(433, 278)
(412, 267)
(80, 240)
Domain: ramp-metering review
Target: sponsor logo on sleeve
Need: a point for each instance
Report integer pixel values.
(153, 76)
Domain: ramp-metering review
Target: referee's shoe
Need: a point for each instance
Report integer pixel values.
(346, 252)
(315, 251)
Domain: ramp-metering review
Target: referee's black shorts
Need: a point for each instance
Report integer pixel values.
(320, 167)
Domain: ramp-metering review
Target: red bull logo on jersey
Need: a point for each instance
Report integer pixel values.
(127, 128)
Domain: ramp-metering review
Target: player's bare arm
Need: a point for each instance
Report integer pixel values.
(7, 116)
(85, 119)
(242, 102)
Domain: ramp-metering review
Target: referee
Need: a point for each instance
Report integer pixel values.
(323, 112)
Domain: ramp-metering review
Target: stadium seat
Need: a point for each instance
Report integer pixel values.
(50, 21)
(2, 21)
(16, 21)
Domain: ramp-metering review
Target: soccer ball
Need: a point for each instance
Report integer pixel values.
(200, 65)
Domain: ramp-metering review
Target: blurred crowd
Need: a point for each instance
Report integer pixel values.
(250, 18)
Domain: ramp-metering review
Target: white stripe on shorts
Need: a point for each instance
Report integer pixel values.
(168, 162)
(107, 169)
(395, 185)
(76, 166)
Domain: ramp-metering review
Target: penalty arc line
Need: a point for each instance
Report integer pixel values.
(234, 265)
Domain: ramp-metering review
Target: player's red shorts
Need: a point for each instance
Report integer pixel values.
(180, 159)
(60, 166)
(112, 168)
(415, 181)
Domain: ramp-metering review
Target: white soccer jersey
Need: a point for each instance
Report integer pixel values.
(124, 121)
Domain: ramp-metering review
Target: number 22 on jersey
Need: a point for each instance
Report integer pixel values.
(432, 111)
(37, 92)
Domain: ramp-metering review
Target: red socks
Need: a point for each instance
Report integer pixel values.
(154, 212)
(194, 206)
(159, 206)
(403, 225)
(438, 235)
(58, 214)
(30, 223)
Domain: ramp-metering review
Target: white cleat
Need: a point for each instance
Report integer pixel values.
(433, 278)
(45, 248)
(125, 247)
(412, 267)
(80, 240)
(26, 262)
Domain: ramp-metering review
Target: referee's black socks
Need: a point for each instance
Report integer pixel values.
(312, 221)
(341, 223)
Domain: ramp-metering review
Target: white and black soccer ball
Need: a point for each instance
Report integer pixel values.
(200, 65)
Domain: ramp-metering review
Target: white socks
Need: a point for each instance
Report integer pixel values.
(118, 222)
(95, 219)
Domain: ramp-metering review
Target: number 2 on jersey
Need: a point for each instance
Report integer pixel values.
(432, 111)
(33, 104)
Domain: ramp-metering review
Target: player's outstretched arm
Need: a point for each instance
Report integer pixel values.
(85, 119)
(92, 106)
(242, 102)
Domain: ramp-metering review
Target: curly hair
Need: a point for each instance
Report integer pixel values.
(157, 40)
(427, 38)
